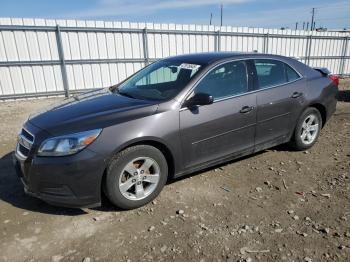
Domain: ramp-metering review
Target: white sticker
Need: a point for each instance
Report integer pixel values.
(189, 66)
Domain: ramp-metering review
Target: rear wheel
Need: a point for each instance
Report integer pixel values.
(136, 176)
(307, 130)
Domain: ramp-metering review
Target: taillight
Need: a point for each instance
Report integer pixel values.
(334, 78)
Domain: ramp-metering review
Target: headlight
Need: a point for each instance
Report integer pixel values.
(67, 144)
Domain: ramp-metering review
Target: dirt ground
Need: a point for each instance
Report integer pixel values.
(277, 205)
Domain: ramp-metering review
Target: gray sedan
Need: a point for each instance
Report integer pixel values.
(175, 116)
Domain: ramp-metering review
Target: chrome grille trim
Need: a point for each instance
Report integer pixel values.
(29, 133)
(25, 139)
(25, 142)
(19, 153)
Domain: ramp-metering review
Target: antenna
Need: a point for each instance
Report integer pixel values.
(221, 13)
(211, 18)
(312, 26)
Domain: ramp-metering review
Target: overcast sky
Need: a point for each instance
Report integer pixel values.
(251, 13)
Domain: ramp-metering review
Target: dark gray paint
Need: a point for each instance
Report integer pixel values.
(192, 139)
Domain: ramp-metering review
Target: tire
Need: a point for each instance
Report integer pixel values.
(299, 140)
(128, 191)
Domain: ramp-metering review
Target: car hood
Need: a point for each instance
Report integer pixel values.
(95, 109)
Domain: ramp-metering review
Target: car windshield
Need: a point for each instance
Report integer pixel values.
(161, 80)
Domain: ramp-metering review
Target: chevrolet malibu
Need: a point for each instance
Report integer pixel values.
(175, 116)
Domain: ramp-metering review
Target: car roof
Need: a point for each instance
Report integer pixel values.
(212, 57)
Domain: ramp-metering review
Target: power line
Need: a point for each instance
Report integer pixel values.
(334, 19)
(333, 6)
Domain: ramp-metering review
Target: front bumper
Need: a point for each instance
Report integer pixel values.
(70, 181)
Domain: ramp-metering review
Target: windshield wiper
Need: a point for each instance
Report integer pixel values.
(124, 93)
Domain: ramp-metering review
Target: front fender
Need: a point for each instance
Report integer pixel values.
(161, 128)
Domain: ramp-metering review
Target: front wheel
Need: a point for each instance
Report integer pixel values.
(136, 176)
(307, 130)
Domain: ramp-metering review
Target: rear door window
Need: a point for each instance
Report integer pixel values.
(272, 73)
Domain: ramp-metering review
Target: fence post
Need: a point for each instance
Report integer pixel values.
(62, 61)
(343, 55)
(308, 49)
(145, 45)
(217, 41)
(309, 52)
(266, 43)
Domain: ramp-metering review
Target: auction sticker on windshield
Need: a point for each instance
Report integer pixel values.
(189, 66)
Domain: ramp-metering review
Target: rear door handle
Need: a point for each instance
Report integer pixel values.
(296, 95)
(246, 109)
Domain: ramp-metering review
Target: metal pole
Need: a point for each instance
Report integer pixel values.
(312, 19)
(266, 43)
(308, 49)
(145, 46)
(62, 61)
(310, 44)
(217, 41)
(221, 13)
(344, 51)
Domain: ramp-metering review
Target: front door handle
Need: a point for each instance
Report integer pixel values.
(246, 109)
(296, 95)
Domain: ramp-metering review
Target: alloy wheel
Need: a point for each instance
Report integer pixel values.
(309, 129)
(139, 178)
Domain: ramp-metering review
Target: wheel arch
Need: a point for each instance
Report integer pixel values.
(320, 107)
(323, 111)
(151, 141)
(161, 146)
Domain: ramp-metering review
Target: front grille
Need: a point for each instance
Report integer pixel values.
(23, 150)
(27, 135)
(25, 143)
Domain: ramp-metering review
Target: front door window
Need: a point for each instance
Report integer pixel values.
(225, 80)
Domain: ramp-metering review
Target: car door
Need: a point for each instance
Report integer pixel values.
(279, 100)
(225, 127)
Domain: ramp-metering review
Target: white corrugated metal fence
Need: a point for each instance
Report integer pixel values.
(47, 57)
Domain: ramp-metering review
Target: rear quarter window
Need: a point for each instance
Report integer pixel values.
(291, 73)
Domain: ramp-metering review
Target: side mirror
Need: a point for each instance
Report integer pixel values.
(199, 99)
